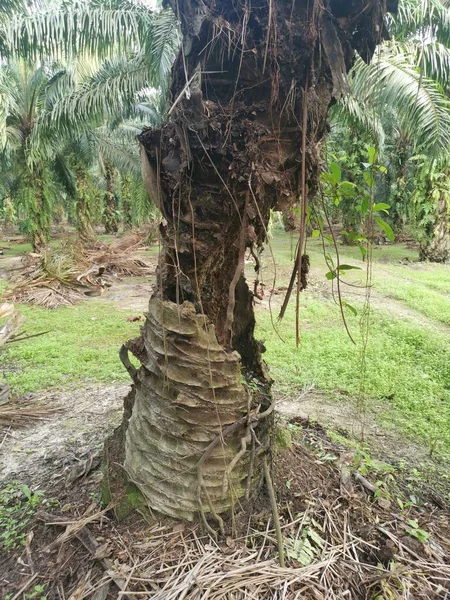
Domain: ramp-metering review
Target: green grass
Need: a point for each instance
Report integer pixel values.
(15, 249)
(435, 276)
(429, 302)
(82, 344)
(407, 381)
(383, 254)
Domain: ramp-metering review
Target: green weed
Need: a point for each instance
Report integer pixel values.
(18, 504)
(82, 345)
(407, 381)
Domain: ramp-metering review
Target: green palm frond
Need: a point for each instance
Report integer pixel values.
(415, 16)
(351, 111)
(117, 148)
(64, 175)
(161, 45)
(9, 6)
(434, 61)
(421, 106)
(69, 30)
(105, 94)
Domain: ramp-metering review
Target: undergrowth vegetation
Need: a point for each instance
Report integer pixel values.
(407, 382)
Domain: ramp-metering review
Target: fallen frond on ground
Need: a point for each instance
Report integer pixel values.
(15, 414)
(63, 276)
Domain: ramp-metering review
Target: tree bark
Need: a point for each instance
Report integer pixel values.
(39, 216)
(126, 203)
(247, 77)
(437, 249)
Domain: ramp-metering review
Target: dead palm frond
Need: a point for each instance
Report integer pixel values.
(14, 414)
(65, 275)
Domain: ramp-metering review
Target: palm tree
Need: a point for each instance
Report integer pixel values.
(23, 92)
(92, 100)
(75, 107)
(405, 88)
(250, 94)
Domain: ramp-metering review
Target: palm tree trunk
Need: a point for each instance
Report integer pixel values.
(252, 85)
(38, 241)
(111, 221)
(437, 249)
(83, 215)
(126, 203)
(38, 215)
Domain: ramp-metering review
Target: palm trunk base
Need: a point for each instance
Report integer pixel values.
(38, 242)
(194, 440)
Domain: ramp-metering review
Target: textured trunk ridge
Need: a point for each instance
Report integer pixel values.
(251, 88)
(190, 390)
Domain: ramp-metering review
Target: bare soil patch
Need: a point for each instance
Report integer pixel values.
(49, 451)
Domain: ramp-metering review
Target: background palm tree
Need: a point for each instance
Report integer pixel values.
(85, 102)
(23, 95)
(400, 103)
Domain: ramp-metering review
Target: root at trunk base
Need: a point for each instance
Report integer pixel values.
(194, 438)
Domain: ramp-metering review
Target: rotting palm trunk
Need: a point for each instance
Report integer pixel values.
(438, 249)
(251, 89)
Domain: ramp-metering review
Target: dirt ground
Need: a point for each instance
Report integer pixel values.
(51, 450)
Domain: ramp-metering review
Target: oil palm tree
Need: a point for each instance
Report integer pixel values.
(401, 100)
(70, 107)
(250, 94)
(23, 90)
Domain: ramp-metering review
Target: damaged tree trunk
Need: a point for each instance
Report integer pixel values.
(251, 88)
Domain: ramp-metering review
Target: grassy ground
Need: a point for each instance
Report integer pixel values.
(407, 378)
(82, 345)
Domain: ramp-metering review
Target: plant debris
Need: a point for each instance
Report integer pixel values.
(336, 546)
(65, 275)
(15, 414)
